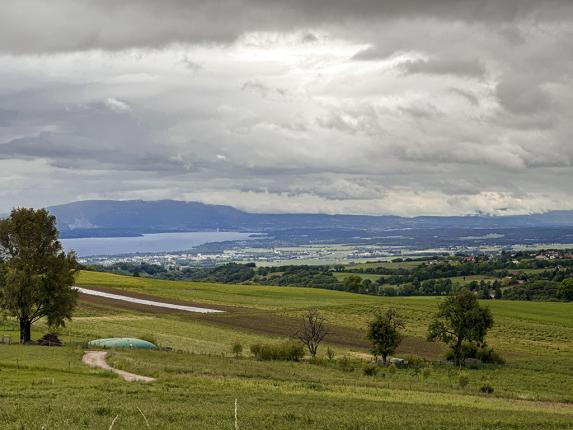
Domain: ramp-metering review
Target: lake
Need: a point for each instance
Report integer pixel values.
(148, 243)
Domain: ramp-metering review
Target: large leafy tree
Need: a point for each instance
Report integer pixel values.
(36, 275)
(459, 319)
(385, 333)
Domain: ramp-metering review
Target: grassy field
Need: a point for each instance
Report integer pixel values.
(458, 280)
(343, 275)
(199, 380)
(388, 264)
(195, 391)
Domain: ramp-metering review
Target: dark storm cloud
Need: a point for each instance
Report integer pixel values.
(97, 135)
(67, 25)
(75, 152)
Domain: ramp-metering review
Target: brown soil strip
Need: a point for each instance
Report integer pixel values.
(260, 321)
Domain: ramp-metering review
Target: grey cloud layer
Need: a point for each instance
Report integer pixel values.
(67, 25)
(436, 66)
(364, 107)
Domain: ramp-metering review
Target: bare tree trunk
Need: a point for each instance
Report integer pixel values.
(458, 353)
(312, 347)
(25, 330)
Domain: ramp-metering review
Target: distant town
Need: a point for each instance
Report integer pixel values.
(313, 254)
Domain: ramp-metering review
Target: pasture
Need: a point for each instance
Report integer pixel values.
(199, 379)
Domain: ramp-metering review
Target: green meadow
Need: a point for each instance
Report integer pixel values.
(198, 379)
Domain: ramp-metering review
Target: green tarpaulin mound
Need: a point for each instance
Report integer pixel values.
(122, 342)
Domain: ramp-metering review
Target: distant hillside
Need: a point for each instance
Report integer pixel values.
(169, 215)
(120, 218)
(155, 215)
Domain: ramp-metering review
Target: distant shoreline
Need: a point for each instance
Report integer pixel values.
(147, 243)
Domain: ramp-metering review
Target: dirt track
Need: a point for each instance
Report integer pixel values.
(260, 321)
(97, 359)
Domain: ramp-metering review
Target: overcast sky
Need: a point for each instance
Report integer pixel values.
(366, 106)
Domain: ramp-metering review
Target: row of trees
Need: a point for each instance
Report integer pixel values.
(459, 322)
(460, 319)
(402, 282)
(496, 266)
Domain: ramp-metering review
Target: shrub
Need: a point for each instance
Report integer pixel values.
(463, 381)
(256, 349)
(237, 349)
(330, 353)
(469, 350)
(317, 360)
(485, 354)
(415, 362)
(390, 291)
(267, 352)
(345, 364)
(370, 370)
(50, 339)
(392, 368)
(292, 351)
(487, 389)
(426, 373)
(287, 351)
(565, 290)
(488, 355)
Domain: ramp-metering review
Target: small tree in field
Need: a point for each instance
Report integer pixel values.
(313, 331)
(36, 275)
(384, 333)
(459, 319)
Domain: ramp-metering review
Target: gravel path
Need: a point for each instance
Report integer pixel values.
(147, 302)
(97, 359)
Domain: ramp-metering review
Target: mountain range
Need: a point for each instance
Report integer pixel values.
(133, 217)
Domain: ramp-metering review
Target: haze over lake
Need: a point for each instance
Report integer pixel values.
(159, 242)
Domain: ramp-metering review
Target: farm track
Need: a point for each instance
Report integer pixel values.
(97, 359)
(258, 321)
